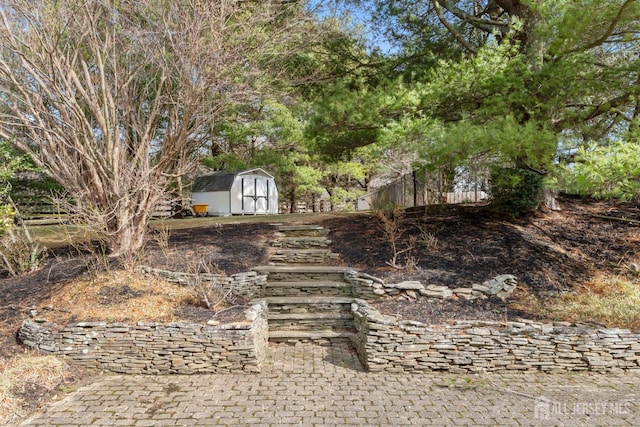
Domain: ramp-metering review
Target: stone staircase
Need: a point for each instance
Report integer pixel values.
(308, 301)
(301, 244)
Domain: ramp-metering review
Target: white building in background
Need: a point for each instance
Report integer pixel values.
(248, 192)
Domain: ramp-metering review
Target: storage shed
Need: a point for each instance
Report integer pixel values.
(248, 192)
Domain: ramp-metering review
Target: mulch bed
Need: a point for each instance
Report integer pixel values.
(549, 252)
(232, 248)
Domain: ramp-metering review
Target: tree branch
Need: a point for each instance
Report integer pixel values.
(487, 25)
(451, 28)
(612, 26)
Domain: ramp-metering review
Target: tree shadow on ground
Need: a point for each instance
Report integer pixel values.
(343, 354)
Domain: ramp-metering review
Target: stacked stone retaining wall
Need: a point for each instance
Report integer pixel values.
(248, 284)
(252, 284)
(364, 286)
(387, 344)
(384, 343)
(153, 348)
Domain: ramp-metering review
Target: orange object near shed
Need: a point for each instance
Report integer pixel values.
(200, 210)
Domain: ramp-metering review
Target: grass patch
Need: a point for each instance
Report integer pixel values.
(610, 300)
(23, 379)
(116, 296)
(53, 236)
(57, 235)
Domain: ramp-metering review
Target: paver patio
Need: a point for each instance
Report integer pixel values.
(314, 385)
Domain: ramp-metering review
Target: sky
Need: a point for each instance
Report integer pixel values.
(359, 16)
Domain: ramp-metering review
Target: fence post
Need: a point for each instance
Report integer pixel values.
(415, 188)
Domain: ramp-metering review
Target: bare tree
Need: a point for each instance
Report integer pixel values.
(114, 99)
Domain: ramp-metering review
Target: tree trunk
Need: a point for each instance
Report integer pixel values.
(293, 200)
(116, 125)
(549, 201)
(126, 242)
(125, 233)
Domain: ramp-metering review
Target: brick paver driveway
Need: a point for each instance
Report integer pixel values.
(313, 385)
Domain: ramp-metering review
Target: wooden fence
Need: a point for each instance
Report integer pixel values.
(430, 188)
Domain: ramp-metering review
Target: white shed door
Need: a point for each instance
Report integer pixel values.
(262, 195)
(255, 195)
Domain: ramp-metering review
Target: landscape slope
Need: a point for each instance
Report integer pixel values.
(551, 254)
(561, 259)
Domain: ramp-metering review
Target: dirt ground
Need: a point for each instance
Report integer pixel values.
(549, 252)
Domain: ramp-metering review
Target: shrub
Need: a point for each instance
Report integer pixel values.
(6, 218)
(607, 172)
(208, 286)
(390, 223)
(19, 253)
(515, 191)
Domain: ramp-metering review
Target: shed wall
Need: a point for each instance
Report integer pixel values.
(250, 193)
(218, 202)
(240, 203)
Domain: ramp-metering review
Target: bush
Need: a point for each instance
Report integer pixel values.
(515, 191)
(606, 172)
(7, 214)
(19, 253)
(390, 223)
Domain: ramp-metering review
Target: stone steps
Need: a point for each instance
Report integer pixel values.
(307, 301)
(316, 314)
(307, 288)
(301, 242)
(303, 256)
(322, 336)
(312, 284)
(301, 227)
(311, 322)
(303, 273)
(307, 269)
(305, 277)
(307, 316)
(302, 231)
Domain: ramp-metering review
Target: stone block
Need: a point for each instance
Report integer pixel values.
(465, 293)
(407, 285)
(479, 288)
(479, 331)
(413, 348)
(435, 291)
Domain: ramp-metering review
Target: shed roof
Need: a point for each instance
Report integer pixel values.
(222, 181)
